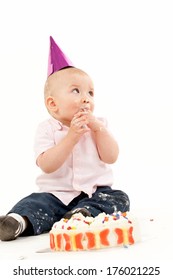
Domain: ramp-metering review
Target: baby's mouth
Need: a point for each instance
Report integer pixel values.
(84, 108)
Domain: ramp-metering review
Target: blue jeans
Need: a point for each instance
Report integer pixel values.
(44, 209)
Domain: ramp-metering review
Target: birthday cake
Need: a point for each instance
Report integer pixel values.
(88, 233)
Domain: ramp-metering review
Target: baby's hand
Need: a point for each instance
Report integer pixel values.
(93, 123)
(79, 123)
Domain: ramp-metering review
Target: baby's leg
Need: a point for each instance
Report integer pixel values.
(33, 215)
(105, 200)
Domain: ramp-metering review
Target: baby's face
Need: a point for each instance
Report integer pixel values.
(73, 91)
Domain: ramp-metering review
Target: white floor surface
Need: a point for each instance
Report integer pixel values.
(156, 243)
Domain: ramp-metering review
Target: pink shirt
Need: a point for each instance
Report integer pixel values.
(82, 171)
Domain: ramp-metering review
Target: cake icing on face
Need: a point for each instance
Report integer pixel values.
(86, 233)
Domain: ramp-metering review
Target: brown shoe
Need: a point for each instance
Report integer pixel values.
(83, 211)
(8, 228)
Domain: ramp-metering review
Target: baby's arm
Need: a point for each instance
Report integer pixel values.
(52, 159)
(106, 144)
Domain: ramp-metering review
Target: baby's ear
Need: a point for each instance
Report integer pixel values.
(51, 104)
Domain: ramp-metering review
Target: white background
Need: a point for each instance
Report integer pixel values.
(127, 48)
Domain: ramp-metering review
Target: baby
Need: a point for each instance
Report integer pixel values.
(74, 150)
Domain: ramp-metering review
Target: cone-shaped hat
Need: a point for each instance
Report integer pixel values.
(57, 59)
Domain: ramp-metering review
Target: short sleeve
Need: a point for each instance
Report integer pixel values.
(44, 139)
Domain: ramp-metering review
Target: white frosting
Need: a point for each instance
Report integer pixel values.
(79, 222)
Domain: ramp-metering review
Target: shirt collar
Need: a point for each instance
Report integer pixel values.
(59, 125)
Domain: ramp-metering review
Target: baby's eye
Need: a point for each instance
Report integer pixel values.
(91, 93)
(75, 90)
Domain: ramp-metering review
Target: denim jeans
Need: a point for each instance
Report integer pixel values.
(44, 209)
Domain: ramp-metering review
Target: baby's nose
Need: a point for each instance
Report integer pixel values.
(85, 100)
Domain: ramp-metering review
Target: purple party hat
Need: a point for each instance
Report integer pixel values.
(57, 59)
